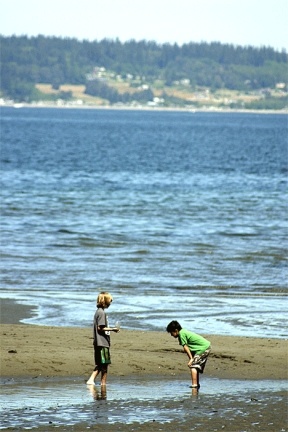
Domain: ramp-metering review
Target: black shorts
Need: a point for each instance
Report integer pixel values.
(102, 356)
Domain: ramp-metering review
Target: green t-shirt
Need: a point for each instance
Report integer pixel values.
(196, 343)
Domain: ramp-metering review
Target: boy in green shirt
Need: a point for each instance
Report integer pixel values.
(196, 347)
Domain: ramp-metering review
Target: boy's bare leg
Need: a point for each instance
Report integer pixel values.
(104, 376)
(92, 378)
(195, 377)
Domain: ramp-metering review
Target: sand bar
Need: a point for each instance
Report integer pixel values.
(29, 350)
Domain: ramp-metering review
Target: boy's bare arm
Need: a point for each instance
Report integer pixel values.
(113, 329)
(189, 354)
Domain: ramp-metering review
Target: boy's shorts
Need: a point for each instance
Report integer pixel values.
(102, 356)
(199, 361)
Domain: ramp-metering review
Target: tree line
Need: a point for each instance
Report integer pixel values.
(26, 61)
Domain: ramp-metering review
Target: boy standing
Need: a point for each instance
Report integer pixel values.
(101, 339)
(196, 347)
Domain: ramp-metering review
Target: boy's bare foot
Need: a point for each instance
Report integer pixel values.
(89, 382)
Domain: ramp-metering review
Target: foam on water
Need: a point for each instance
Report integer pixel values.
(227, 314)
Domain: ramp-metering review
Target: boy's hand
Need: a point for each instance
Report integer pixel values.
(190, 363)
(116, 329)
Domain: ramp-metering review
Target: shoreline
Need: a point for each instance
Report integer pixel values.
(30, 350)
(144, 108)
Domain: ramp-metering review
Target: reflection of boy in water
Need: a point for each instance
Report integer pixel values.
(102, 395)
(196, 347)
(101, 337)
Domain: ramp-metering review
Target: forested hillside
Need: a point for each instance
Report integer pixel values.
(143, 71)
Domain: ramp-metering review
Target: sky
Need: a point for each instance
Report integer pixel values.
(239, 22)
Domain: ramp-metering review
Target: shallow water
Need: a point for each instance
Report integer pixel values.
(70, 402)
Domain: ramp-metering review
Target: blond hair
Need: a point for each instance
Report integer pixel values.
(104, 299)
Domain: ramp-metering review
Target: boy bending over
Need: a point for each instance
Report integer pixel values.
(196, 347)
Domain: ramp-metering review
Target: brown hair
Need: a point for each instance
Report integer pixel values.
(104, 299)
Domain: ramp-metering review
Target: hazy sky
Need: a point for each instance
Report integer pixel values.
(239, 22)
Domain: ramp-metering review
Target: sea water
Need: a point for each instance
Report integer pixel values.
(179, 215)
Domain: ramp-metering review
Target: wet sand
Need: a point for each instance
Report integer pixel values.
(56, 351)
(28, 350)
(40, 352)
(162, 404)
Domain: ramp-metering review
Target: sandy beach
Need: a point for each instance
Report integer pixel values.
(52, 351)
(34, 351)
(28, 350)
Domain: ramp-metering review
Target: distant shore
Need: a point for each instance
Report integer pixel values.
(29, 350)
(141, 108)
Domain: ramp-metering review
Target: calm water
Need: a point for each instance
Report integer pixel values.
(179, 215)
(255, 405)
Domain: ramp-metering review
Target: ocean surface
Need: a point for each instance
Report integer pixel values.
(179, 215)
